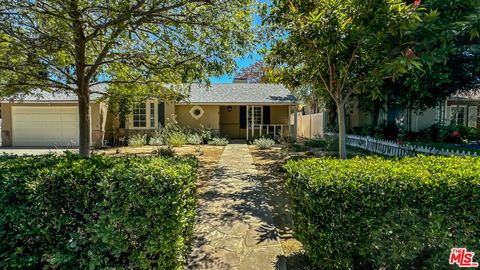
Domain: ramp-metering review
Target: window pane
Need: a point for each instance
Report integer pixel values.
(461, 116)
(472, 116)
(152, 115)
(140, 116)
(257, 115)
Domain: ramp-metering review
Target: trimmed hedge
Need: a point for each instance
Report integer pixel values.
(67, 212)
(374, 213)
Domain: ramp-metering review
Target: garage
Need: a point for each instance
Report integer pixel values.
(45, 126)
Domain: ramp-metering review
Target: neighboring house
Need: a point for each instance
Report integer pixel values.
(236, 111)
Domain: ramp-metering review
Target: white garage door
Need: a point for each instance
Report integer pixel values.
(45, 126)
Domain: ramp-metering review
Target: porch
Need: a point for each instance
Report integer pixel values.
(253, 121)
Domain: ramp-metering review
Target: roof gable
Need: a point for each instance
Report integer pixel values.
(241, 93)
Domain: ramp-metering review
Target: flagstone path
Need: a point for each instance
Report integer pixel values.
(234, 228)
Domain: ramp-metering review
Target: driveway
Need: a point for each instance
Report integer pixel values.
(32, 151)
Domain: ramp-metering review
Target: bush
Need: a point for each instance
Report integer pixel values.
(374, 213)
(194, 139)
(157, 139)
(137, 140)
(263, 143)
(177, 138)
(165, 152)
(67, 212)
(204, 133)
(218, 141)
(317, 143)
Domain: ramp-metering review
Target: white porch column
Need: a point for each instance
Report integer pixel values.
(295, 123)
(253, 121)
(246, 121)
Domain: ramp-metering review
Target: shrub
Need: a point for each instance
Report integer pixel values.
(165, 152)
(67, 212)
(204, 133)
(374, 213)
(194, 139)
(157, 139)
(176, 139)
(137, 140)
(317, 143)
(218, 141)
(263, 143)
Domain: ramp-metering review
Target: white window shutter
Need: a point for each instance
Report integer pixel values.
(472, 116)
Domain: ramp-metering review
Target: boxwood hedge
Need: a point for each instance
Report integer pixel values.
(376, 213)
(67, 212)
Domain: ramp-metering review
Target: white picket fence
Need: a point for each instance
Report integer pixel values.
(393, 149)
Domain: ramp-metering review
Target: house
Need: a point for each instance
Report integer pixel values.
(236, 111)
(459, 109)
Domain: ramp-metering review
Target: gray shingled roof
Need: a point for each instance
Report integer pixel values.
(237, 93)
(59, 96)
(240, 93)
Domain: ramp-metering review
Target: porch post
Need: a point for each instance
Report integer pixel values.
(246, 117)
(253, 121)
(289, 121)
(295, 123)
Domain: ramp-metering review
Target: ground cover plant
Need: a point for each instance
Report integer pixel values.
(137, 140)
(263, 143)
(377, 213)
(218, 141)
(67, 212)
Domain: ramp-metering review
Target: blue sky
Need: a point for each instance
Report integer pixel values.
(249, 59)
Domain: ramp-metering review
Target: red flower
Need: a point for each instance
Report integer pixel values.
(409, 53)
(400, 142)
(417, 3)
(455, 134)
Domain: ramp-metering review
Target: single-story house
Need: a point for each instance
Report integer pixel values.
(236, 111)
(459, 109)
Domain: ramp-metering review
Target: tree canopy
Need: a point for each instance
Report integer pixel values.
(135, 46)
(341, 47)
(447, 46)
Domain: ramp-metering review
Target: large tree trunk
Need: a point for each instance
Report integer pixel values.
(342, 147)
(84, 121)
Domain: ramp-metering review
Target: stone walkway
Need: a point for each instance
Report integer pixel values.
(234, 228)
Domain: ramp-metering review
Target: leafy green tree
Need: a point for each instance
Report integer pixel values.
(132, 45)
(447, 45)
(341, 47)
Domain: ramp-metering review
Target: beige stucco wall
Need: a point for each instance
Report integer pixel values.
(279, 114)
(230, 123)
(210, 119)
(98, 119)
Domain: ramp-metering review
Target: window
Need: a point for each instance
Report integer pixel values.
(472, 116)
(152, 115)
(140, 115)
(457, 115)
(257, 115)
(161, 114)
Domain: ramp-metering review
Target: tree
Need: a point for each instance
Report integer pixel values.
(340, 47)
(447, 45)
(144, 45)
(255, 73)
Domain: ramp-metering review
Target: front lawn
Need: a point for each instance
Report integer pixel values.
(105, 212)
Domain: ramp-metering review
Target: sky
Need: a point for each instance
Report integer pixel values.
(245, 61)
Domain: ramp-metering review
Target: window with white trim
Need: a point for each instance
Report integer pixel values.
(472, 116)
(458, 115)
(257, 115)
(140, 116)
(152, 115)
